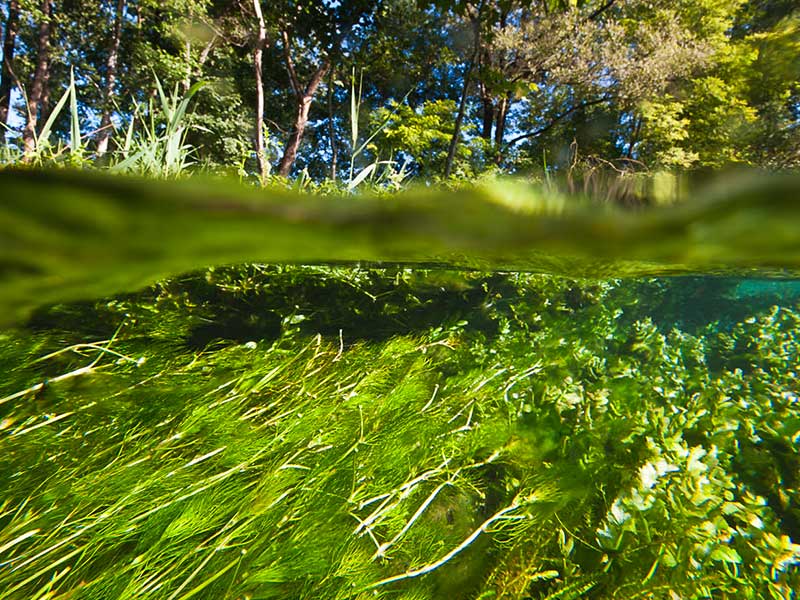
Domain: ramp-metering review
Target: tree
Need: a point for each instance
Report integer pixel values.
(425, 137)
(304, 93)
(474, 15)
(6, 75)
(669, 83)
(562, 61)
(774, 88)
(261, 43)
(41, 75)
(110, 79)
(313, 34)
(743, 107)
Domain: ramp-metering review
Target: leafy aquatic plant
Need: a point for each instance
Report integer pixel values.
(396, 434)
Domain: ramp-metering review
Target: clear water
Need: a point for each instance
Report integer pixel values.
(503, 400)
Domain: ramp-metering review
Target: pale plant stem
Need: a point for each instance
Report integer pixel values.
(90, 346)
(205, 561)
(90, 368)
(43, 423)
(98, 520)
(18, 539)
(536, 368)
(404, 491)
(500, 515)
(45, 569)
(381, 551)
(235, 562)
(42, 384)
(433, 397)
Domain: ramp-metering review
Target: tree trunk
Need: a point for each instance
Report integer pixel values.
(40, 76)
(301, 119)
(111, 79)
(303, 103)
(451, 151)
(331, 128)
(462, 106)
(634, 137)
(44, 101)
(204, 53)
(502, 115)
(9, 43)
(258, 53)
(186, 83)
(488, 113)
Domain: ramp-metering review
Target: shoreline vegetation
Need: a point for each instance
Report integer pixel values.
(362, 94)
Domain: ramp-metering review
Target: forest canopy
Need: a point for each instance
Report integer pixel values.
(432, 88)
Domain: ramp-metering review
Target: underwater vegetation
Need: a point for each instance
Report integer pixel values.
(297, 432)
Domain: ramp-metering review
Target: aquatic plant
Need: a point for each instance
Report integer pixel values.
(396, 433)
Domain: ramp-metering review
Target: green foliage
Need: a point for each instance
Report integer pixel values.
(665, 129)
(273, 432)
(730, 113)
(158, 147)
(424, 134)
(343, 433)
(380, 173)
(682, 85)
(52, 152)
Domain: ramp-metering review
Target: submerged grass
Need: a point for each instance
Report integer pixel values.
(287, 432)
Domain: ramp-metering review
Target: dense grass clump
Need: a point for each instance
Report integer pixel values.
(293, 432)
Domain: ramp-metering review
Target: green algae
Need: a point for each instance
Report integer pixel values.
(401, 433)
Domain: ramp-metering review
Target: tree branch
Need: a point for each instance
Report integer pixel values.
(451, 151)
(258, 52)
(287, 55)
(600, 10)
(316, 78)
(207, 50)
(554, 121)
